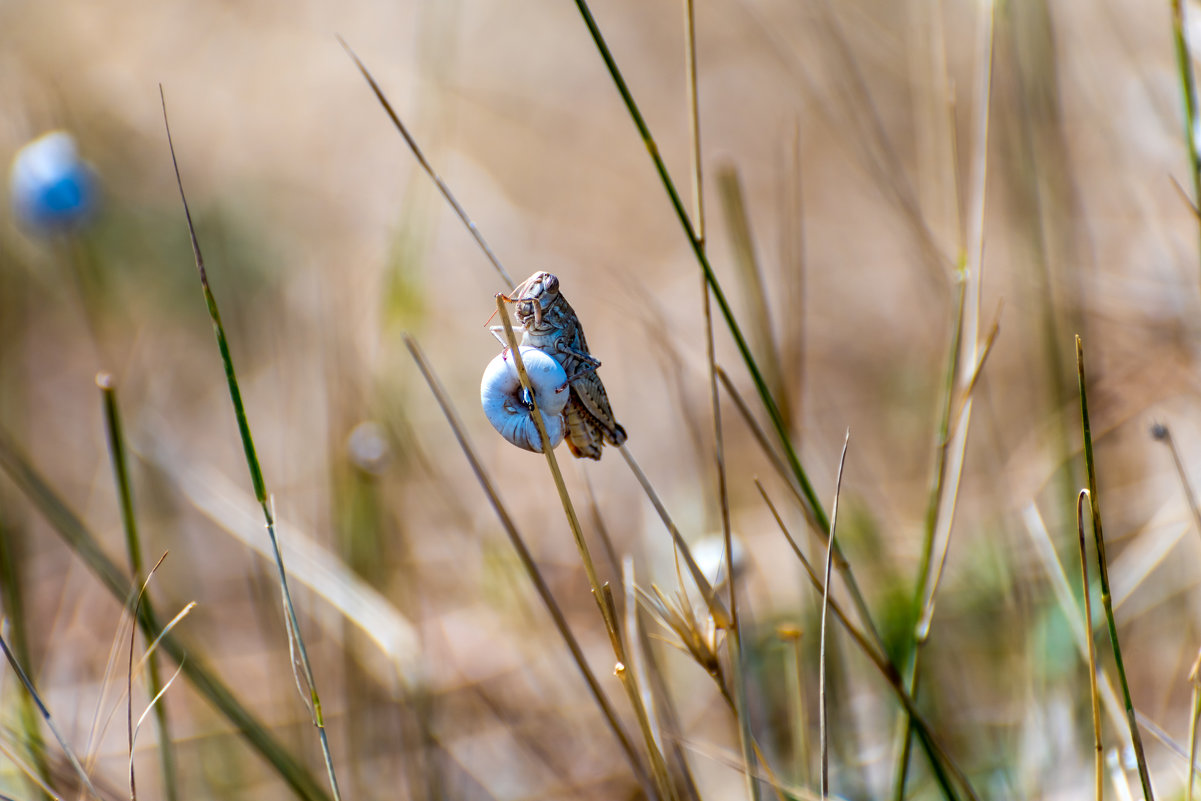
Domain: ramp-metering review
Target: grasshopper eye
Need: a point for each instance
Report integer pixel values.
(550, 283)
(506, 404)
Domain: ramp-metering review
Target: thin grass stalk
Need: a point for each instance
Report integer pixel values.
(971, 352)
(954, 426)
(737, 677)
(527, 561)
(12, 599)
(429, 170)
(1188, 92)
(602, 531)
(1194, 678)
(85, 546)
(628, 672)
(734, 633)
(624, 671)
(792, 246)
(133, 548)
(668, 717)
(945, 769)
(295, 639)
(1094, 695)
(133, 637)
(27, 683)
(1162, 433)
(764, 443)
(823, 709)
(694, 120)
(1103, 572)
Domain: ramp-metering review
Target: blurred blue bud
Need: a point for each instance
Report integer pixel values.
(51, 188)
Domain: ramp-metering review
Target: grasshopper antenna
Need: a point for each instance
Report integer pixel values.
(425, 165)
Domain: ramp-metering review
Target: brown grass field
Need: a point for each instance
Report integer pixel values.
(912, 208)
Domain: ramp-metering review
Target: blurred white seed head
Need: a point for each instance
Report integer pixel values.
(710, 556)
(369, 448)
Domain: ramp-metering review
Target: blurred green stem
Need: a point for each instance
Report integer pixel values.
(13, 602)
(1188, 91)
(937, 483)
(1103, 572)
(116, 445)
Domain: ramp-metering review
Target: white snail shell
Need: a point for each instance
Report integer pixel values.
(501, 395)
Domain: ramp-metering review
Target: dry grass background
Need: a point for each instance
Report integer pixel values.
(325, 243)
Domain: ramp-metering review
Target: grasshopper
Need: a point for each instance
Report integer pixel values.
(551, 326)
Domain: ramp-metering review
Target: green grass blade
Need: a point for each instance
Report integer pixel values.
(815, 507)
(295, 639)
(117, 450)
(1188, 91)
(85, 546)
(1103, 572)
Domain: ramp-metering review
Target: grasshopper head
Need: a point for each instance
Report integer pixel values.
(535, 295)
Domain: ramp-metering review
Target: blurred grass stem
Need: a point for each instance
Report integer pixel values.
(27, 683)
(963, 367)
(12, 600)
(429, 170)
(1188, 92)
(734, 633)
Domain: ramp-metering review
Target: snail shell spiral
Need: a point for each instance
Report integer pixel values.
(504, 403)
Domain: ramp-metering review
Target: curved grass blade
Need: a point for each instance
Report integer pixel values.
(1094, 695)
(823, 730)
(1103, 572)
